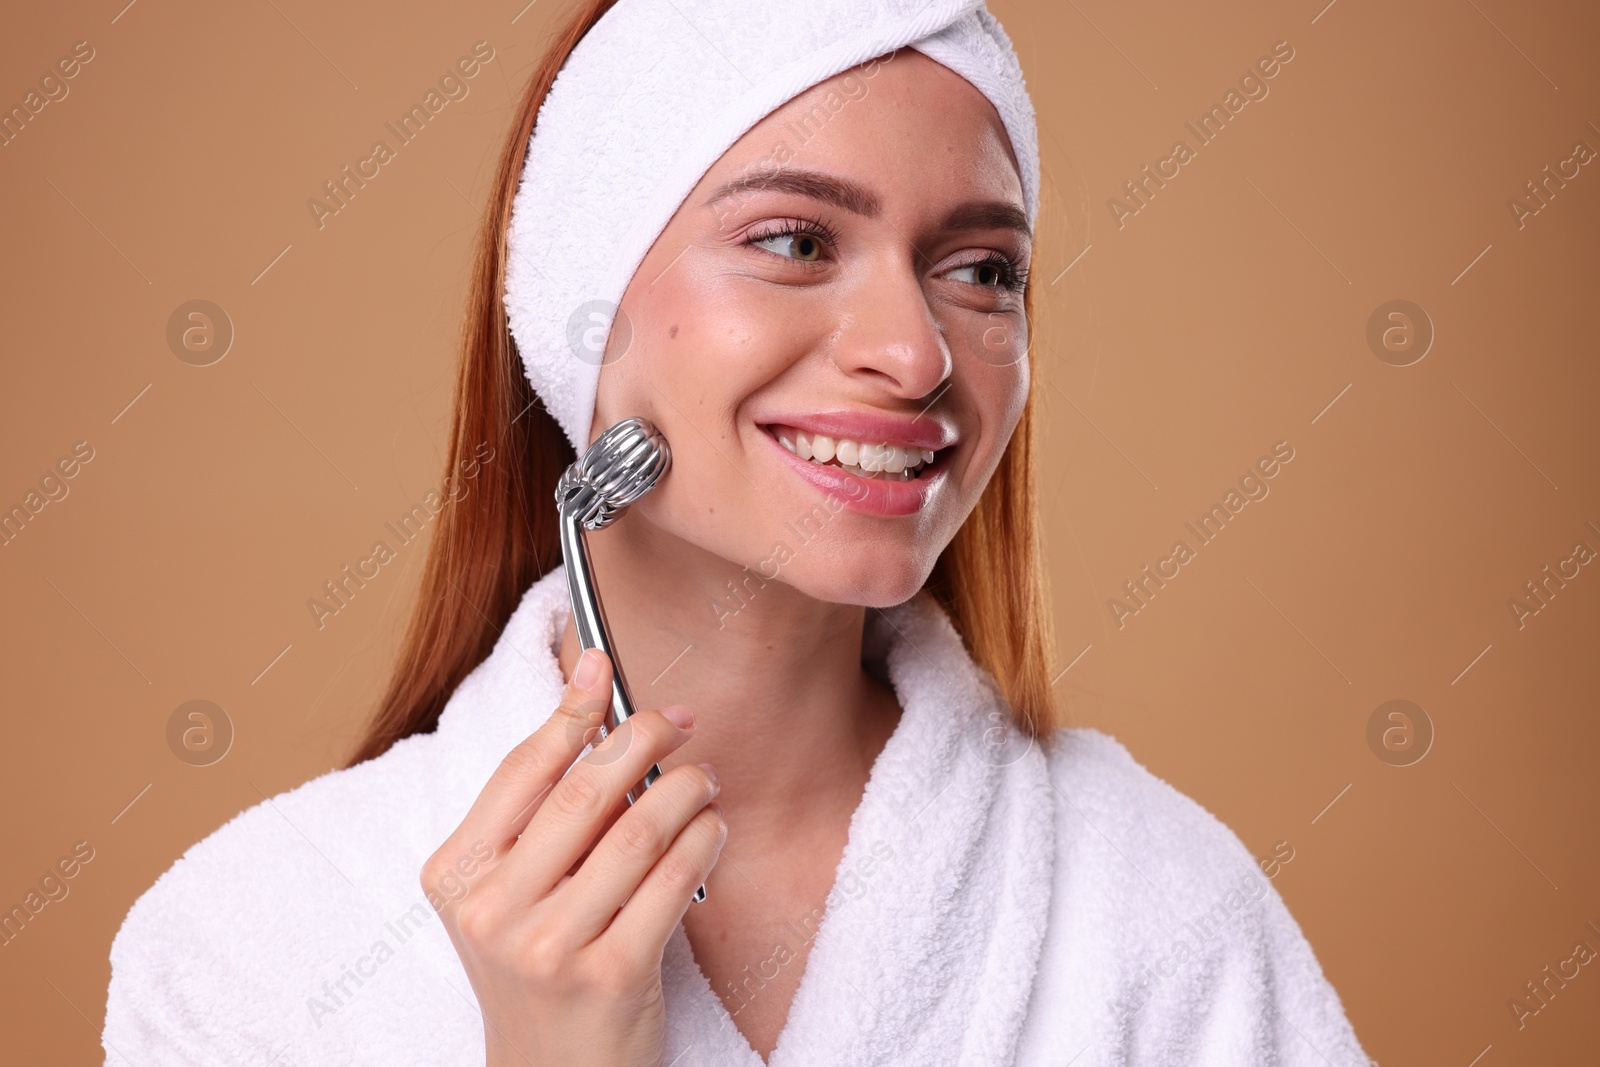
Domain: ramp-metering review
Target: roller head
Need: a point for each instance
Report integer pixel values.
(622, 465)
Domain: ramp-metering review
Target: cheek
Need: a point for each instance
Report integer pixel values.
(1016, 396)
(702, 344)
(702, 341)
(998, 396)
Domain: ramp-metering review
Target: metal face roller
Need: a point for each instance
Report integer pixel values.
(622, 465)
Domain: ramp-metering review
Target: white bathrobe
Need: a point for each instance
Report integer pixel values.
(999, 901)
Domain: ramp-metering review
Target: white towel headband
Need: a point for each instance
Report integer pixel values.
(650, 98)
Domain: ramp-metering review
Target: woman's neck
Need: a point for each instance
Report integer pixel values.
(783, 707)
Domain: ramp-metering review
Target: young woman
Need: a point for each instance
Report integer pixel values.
(796, 238)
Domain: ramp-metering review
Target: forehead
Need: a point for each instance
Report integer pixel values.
(900, 115)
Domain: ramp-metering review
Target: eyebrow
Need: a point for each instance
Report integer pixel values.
(857, 199)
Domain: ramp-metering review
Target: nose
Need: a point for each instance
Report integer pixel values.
(888, 335)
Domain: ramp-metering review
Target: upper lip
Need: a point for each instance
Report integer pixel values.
(918, 431)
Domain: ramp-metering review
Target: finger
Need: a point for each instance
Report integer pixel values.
(657, 906)
(568, 821)
(616, 812)
(622, 858)
(528, 772)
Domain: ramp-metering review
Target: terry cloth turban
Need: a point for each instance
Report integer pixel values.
(650, 98)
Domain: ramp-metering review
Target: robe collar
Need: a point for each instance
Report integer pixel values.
(930, 938)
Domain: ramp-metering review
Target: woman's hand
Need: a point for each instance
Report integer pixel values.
(562, 930)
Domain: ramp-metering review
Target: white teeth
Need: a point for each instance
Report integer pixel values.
(873, 459)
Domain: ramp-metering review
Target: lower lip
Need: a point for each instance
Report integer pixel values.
(874, 496)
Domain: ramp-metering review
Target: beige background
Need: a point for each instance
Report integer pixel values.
(1228, 314)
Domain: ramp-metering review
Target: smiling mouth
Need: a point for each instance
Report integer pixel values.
(864, 459)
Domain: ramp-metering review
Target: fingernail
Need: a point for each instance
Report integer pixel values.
(679, 716)
(588, 671)
(711, 772)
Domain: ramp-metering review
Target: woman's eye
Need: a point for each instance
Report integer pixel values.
(804, 247)
(985, 273)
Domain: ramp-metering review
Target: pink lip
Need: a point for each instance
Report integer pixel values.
(874, 496)
(921, 431)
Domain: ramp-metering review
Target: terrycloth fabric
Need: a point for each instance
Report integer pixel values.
(652, 96)
(998, 902)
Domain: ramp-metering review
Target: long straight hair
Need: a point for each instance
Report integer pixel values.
(500, 537)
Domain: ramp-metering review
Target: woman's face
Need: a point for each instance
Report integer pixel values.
(848, 276)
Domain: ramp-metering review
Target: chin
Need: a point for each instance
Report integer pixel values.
(871, 579)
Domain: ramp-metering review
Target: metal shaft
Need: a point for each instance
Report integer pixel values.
(590, 618)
